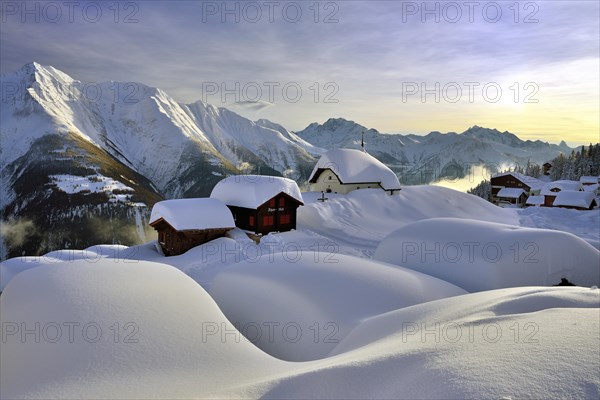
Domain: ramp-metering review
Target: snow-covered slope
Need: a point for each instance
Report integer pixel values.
(143, 127)
(327, 298)
(145, 330)
(234, 136)
(478, 255)
(363, 218)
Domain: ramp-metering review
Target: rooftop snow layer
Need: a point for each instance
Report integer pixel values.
(251, 191)
(589, 179)
(532, 182)
(535, 200)
(574, 198)
(510, 193)
(191, 214)
(561, 185)
(356, 166)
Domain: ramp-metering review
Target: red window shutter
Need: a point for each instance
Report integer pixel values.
(268, 220)
(284, 219)
(251, 220)
(281, 202)
(272, 203)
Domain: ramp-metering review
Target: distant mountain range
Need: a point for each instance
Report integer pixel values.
(422, 159)
(82, 163)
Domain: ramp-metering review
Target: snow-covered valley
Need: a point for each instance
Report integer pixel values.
(368, 298)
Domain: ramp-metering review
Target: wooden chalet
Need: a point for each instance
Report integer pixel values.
(186, 223)
(344, 170)
(511, 196)
(260, 204)
(529, 185)
(575, 199)
(551, 190)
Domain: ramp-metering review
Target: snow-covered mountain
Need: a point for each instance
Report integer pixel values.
(127, 133)
(418, 159)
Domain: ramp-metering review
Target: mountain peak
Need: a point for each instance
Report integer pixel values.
(34, 71)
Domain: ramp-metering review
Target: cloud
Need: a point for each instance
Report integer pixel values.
(372, 48)
(253, 105)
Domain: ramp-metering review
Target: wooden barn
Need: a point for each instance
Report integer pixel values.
(344, 170)
(260, 204)
(186, 223)
(530, 185)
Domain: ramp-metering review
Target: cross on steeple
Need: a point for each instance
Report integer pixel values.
(362, 141)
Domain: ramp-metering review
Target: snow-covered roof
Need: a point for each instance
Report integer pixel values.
(574, 198)
(530, 181)
(535, 200)
(511, 193)
(251, 191)
(356, 166)
(560, 185)
(591, 188)
(589, 179)
(192, 214)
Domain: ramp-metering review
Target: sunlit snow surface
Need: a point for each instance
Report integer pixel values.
(322, 317)
(93, 184)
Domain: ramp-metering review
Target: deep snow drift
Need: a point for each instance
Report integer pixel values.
(309, 296)
(480, 256)
(145, 330)
(363, 218)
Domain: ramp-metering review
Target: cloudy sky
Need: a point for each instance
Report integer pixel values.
(531, 68)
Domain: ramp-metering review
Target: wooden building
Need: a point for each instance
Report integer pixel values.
(529, 185)
(186, 223)
(575, 199)
(551, 190)
(260, 204)
(511, 196)
(546, 167)
(344, 170)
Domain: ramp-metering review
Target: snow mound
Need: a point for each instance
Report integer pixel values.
(142, 330)
(251, 191)
(356, 166)
(481, 256)
(508, 343)
(190, 214)
(365, 217)
(311, 300)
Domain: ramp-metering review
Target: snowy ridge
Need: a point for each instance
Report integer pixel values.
(141, 126)
(475, 146)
